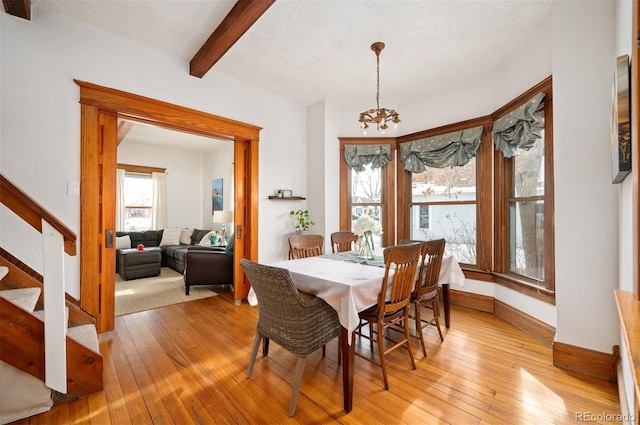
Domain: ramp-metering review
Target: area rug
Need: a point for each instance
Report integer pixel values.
(153, 292)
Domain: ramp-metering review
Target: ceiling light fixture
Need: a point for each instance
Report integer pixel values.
(379, 116)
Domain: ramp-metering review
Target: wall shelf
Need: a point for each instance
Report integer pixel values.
(290, 198)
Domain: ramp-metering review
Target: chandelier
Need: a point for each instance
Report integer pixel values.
(379, 116)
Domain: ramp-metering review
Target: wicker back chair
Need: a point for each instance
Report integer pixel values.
(393, 305)
(303, 246)
(426, 291)
(300, 327)
(342, 241)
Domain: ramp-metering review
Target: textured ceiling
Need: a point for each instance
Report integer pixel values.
(310, 50)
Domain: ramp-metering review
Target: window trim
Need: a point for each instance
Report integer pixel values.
(388, 187)
(483, 201)
(502, 188)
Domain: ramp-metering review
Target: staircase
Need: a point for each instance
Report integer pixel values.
(44, 355)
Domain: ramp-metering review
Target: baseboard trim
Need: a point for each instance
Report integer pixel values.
(590, 363)
(536, 328)
(473, 301)
(584, 361)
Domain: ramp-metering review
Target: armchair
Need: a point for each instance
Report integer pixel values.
(208, 266)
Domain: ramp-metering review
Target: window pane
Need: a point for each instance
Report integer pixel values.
(366, 186)
(373, 211)
(526, 238)
(137, 219)
(454, 222)
(528, 176)
(445, 184)
(138, 192)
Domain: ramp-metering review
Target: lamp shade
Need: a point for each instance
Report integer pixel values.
(223, 216)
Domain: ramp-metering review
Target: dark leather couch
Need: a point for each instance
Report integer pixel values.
(205, 266)
(173, 256)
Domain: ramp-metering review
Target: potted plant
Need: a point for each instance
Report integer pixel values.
(302, 221)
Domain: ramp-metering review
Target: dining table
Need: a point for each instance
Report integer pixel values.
(350, 285)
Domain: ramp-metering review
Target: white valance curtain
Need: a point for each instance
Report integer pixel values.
(453, 149)
(520, 128)
(357, 156)
(159, 211)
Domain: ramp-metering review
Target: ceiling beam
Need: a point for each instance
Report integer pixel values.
(123, 129)
(19, 8)
(239, 19)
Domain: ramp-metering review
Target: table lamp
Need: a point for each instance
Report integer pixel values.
(223, 217)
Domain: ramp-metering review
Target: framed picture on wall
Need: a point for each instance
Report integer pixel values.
(620, 121)
(216, 195)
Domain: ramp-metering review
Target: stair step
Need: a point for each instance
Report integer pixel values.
(25, 298)
(85, 335)
(4, 270)
(40, 315)
(21, 395)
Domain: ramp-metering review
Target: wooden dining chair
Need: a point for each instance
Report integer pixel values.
(303, 246)
(343, 241)
(425, 294)
(394, 308)
(297, 325)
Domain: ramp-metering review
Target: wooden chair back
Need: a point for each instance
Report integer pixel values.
(342, 241)
(303, 246)
(431, 253)
(403, 260)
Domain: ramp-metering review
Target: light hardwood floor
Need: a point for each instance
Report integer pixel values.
(186, 363)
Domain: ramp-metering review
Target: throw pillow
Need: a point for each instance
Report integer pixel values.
(123, 242)
(185, 236)
(205, 239)
(171, 237)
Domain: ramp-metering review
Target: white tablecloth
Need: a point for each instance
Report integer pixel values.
(348, 287)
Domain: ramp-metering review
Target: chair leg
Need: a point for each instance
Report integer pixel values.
(436, 314)
(407, 336)
(297, 380)
(186, 290)
(416, 308)
(381, 351)
(254, 354)
(265, 347)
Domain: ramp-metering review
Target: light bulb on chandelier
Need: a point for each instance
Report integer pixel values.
(379, 116)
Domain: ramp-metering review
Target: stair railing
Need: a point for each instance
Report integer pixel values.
(57, 239)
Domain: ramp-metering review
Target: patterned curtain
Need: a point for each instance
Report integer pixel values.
(519, 129)
(445, 150)
(357, 156)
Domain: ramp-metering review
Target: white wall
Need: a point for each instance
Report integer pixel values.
(586, 207)
(40, 117)
(184, 177)
(218, 164)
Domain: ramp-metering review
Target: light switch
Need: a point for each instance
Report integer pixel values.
(73, 188)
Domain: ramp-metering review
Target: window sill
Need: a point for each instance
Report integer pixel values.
(525, 287)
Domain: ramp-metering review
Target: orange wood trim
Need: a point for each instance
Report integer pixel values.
(525, 287)
(584, 361)
(97, 102)
(164, 114)
(239, 19)
(543, 86)
(473, 301)
(84, 370)
(19, 8)
(89, 211)
(33, 213)
(629, 312)
(140, 169)
(536, 328)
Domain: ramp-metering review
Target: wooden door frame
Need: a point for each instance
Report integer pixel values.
(97, 290)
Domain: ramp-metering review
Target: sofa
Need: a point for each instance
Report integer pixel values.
(173, 251)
